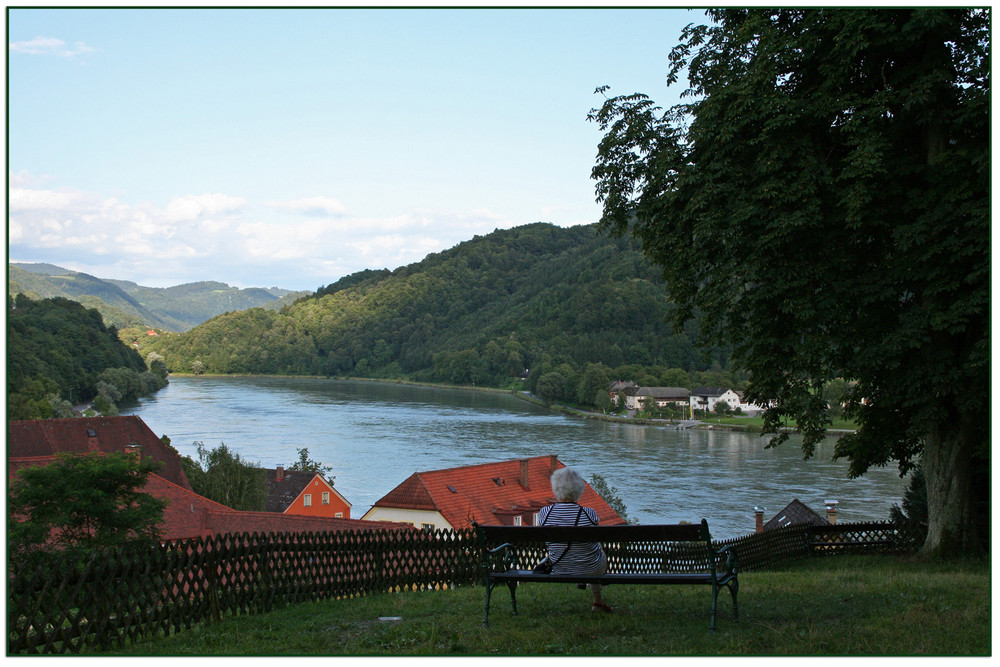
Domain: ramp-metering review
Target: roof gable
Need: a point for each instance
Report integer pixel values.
(795, 513)
(488, 493)
(32, 438)
(664, 392)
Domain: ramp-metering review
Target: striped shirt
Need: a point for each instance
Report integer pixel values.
(583, 557)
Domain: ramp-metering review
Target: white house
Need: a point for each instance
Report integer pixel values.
(636, 398)
(706, 398)
(751, 409)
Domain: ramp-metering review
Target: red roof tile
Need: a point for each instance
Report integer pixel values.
(269, 522)
(187, 514)
(489, 493)
(48, 437)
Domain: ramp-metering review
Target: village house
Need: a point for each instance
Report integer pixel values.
(187, 514)
(751, 409)
(505, 493)
(706, 398)
(38, 441)
(304, 493)
(619, 388)
(637, 397)
(794, 514)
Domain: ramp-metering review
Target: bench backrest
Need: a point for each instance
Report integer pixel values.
(681, 532)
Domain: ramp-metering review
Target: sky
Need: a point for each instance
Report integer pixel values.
(291, 147)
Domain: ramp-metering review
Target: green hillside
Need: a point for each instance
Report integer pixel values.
(125, 304)
(538, 297)
(60, 353)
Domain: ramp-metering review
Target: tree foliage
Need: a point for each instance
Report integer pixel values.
(80, 503)
(822, 201)
(479, 313)
(306, 464)
(59, 352)
(610, 495)
(222, 475)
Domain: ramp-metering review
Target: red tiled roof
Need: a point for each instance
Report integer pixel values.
(47, 437)
(186, 511)
(488, 492)
(282, 493)
(187, 514)
(269, 522)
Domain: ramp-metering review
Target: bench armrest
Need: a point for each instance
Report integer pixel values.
(509, 561)
(730, 557)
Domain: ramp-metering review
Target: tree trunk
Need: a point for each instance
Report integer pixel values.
(954, 523)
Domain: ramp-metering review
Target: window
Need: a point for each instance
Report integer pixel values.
(307, 500)
(427, 526)
(534, 519)
(517, 520)
(340, 515)
(326, 497)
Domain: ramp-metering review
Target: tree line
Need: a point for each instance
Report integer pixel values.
(60, 353)
(535, 299)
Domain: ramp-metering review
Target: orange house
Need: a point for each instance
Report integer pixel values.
(304, 494)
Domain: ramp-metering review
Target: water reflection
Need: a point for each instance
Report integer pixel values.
(375, 435)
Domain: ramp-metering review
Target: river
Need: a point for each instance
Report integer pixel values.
(374, 435)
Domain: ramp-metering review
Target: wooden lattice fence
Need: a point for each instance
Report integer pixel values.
(60, 606)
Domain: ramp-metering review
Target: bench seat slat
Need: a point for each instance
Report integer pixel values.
(615, 578)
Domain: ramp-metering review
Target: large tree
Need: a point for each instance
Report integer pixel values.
(80, 503)
(222, 475)
(821, 198)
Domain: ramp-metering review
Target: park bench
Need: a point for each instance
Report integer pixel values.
(679, 554)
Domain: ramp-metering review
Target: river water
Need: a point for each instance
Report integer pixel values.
(374, 435)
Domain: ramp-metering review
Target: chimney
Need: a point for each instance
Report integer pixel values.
(280, 473)
(759, 514)
(553, 463)
(524, 474)
(831, 512)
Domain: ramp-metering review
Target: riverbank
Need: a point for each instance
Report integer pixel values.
(753, 425)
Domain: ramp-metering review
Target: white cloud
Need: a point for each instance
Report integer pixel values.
(193, 207)
(50, 46)
(313, 206)
(26, 199)
(225, 238)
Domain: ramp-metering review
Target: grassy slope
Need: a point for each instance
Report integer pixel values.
(846, 605)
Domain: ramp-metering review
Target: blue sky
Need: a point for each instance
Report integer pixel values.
(277, 147)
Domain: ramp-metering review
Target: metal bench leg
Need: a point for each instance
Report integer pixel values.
(715, 601)
(486, 606)
(734, 588)
(512, 585)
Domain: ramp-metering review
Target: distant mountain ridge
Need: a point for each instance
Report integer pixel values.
(127, 304)
(537, 297)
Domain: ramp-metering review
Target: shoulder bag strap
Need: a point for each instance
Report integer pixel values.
(568, 544)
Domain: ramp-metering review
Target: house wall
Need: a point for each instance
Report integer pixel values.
(337, 507)
(417, 518)
(708, 402)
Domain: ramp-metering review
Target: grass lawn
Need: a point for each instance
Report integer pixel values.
(834, 606)
(758, 422)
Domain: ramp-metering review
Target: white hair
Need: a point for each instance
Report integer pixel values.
(567, 485)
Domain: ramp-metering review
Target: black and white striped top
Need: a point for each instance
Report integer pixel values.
(583, 557)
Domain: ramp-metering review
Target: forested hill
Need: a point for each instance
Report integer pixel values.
(534, 297)
(126, 304)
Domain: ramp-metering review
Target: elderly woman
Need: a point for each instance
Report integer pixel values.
(577, 558)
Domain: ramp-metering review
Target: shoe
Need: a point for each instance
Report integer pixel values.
(598, 606)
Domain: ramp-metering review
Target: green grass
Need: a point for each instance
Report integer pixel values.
(842, 605)
(757, 423)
